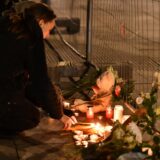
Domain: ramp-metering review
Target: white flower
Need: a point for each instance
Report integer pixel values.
(105, 82)
(132, 127)
(149, 150)
(147, 95)
(157, 110)
(139, 100)
(142, 94)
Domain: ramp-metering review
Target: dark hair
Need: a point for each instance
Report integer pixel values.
(39, 11)
(28, 21)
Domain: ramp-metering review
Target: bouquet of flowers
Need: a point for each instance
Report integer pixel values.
(140, 135)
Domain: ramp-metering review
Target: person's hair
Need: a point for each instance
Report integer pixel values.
(39, 11)
(28, 20)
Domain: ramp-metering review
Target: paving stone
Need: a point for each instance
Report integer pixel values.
(7, 149)
(47, 141)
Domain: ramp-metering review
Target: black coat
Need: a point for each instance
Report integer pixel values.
(23, 69)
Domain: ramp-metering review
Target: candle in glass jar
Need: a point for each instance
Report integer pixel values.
(109, 112)
(90, 113)
(118, 113)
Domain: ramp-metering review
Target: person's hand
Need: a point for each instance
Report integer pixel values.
(68, 121)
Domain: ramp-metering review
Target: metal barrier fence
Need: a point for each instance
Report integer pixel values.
(122, 33)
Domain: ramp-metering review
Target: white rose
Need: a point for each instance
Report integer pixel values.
(147, 95)
(105, 82)
(142, 94)
(149, 150)
(139, 100)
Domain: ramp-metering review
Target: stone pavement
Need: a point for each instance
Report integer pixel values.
(48, 141)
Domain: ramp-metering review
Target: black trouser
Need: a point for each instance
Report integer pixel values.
(18, 114)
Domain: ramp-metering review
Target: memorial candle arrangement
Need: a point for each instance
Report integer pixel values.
(98, 133)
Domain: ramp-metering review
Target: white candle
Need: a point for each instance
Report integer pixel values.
(118, 113)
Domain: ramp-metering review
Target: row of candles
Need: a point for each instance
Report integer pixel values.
(116, 114)
(99, 131)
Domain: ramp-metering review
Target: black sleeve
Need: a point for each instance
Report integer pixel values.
(68, 112)
(40, 90)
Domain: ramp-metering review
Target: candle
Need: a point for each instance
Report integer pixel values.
(66, 104)
(85, 143)
(93, 138)
(78, 132)
(90, 113)
(99, 129)
(118, 113)
(100, 117)
(109, 112)
(78, 143)
(76, 114)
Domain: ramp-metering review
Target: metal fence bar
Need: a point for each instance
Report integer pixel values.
(124, 32)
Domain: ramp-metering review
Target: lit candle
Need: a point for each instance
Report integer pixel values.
(66, 104)
(76, 114)
(85, 143)
(78, 143)
(90, 113)
(118, 113)
(100, 130)
(78, 132)
(93, 138)
(109, 112)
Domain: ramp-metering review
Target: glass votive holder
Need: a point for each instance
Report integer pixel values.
(90, 113)
(118, 113)
(109, 112)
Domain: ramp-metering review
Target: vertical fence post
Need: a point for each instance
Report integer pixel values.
(89, 30)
